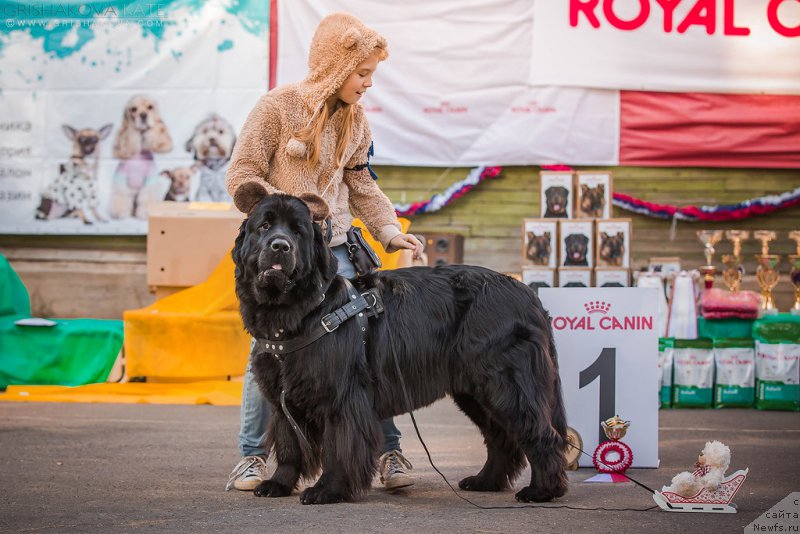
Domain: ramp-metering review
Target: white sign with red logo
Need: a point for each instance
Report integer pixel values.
(607, 343)
(715, 46)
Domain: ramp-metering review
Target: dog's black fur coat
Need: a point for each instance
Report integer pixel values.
(474, 334)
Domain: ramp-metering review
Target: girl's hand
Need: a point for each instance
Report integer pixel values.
(407, 241)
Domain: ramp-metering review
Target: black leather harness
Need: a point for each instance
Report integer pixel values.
(361, 306)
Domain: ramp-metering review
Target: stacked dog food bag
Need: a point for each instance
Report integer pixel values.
(735, 363)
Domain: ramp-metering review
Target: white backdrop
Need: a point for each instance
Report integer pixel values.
(456, 88)
(582, 47)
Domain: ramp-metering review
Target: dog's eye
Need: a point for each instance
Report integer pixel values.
(150, 106)
(133, 109)
(264, 226)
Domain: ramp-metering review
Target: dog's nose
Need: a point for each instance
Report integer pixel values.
(280, 245)
(143, 115)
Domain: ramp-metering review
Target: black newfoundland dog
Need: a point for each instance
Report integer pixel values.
(463, 331)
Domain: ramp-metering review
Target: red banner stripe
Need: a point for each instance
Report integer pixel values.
(709, 130)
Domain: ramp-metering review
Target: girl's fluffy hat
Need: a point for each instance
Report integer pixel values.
(340, 43)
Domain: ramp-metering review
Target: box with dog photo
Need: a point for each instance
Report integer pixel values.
(537, 278)
(574, 277)
(555, 197)
(614, 243)
(539, 243)
(611, 277)
(593, 194)
(576, 243)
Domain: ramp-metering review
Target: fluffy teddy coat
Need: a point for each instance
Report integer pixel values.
(269, 159)
(709, 473)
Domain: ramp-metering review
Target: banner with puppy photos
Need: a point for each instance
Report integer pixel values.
(108, 106)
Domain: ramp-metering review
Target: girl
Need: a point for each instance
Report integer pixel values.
(312, 139)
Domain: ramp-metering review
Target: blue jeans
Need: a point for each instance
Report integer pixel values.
(254, 414)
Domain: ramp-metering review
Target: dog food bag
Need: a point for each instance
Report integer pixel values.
(777, 362)
(693, 373)
(665, 357)
(734, 359)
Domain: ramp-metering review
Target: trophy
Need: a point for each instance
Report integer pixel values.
(613, 456)
(795, 272)
(735, 271)
(709, 238)
(766, 273)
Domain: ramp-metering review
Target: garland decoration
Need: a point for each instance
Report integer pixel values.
(458, 189)
(726, 212)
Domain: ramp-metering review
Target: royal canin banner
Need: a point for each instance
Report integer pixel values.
(581, 82)
(713, 46)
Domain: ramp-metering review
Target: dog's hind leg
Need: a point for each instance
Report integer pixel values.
(504, 460)
(524, 395)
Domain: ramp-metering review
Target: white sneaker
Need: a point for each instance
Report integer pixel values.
(393, 474)
(248, 473)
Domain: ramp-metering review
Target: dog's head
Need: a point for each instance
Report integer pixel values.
(85, 141)
(557, 198)
(180, 180)
(280, 254)
(538, 249)
(593, 199)
(213, 139)
(142, 129)
(612, 248)
(576, 246)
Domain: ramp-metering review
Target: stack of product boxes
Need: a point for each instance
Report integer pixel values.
(575, 243)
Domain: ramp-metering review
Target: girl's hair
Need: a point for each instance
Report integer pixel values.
(312, 133)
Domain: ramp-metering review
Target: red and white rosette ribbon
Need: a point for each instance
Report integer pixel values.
(612, 457)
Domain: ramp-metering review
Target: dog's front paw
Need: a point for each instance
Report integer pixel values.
(269, 488)
(531, 494)
(315, 495)
(477, 483)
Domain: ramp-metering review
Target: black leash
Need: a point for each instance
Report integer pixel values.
(430, 459)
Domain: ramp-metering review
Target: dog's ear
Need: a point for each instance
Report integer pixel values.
(327, 265)
(69, 131)
(621, 235)
(240, 250)
(601, 188)
(603, 236)
(104, 132)
(546, 235)
(166, 173)
(319, 208)
(584, 188)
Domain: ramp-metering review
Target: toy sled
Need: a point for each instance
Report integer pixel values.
(718, 502)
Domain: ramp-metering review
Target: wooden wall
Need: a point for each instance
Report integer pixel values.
(491, 216)
(102, 276)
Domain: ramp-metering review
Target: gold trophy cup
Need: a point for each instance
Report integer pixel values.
(733, 274)
(766, 273)
(795, 272)
(709, 238)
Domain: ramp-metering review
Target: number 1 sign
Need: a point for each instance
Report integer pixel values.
(607, 343)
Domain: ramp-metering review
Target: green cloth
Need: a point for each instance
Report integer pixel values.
(72, 352)
(724, 328)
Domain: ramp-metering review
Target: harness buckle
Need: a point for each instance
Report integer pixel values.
(329, 322)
